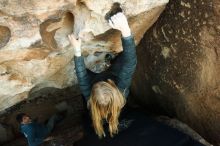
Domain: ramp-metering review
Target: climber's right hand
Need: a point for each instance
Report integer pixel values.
(120, 22)
(76, 43)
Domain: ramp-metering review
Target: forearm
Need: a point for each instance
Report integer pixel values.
(82, 76)
(128, 60)
(81, 72)
(128, 56)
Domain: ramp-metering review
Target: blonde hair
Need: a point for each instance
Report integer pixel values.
(106, 102)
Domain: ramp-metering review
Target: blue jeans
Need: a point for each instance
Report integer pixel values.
(52, 122)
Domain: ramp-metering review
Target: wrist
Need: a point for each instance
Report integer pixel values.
(78, 54)
(77, 51)
(126, 32)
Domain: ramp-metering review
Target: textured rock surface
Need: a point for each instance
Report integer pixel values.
(6, 133)
(35, 52)
(179, 66)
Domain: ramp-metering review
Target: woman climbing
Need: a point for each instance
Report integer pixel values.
(106, 92)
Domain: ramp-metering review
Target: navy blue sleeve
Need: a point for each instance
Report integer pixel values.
(124, 65)
(83, 77)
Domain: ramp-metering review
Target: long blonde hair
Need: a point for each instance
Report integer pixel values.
(105, 103)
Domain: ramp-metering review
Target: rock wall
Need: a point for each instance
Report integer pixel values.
(179, 66)
(34, 49)
(6, 133)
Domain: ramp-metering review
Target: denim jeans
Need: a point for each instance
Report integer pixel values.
(52, 121)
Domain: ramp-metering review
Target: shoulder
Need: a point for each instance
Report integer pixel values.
(27, 127)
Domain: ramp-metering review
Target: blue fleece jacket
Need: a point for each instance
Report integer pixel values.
(121, 70)
(34, 132)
